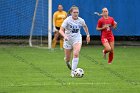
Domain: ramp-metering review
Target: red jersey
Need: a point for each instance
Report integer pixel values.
(106, 34)
(110, 22)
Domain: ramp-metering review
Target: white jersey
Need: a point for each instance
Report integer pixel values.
(72, 27)
(72, 30)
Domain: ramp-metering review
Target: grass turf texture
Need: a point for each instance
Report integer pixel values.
(34, 70)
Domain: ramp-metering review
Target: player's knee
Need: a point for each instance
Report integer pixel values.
(108, 49)
(76, 54)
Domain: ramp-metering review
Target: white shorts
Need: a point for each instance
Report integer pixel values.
(73, 40)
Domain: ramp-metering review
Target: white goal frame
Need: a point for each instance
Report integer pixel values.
(49, 24)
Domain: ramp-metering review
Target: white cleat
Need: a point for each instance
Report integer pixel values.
(72, 74)
(104, 55)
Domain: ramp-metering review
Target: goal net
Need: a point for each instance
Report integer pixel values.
(26, 22)
(40, 33)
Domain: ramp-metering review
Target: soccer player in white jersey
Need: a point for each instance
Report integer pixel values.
(70, 30)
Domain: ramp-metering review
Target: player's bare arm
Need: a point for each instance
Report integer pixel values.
(87, 33)
(61, 31)
(115, 25)
(101, 28)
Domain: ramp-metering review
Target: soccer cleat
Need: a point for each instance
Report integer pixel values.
(72, 74)
(104, 54)
(110, 62)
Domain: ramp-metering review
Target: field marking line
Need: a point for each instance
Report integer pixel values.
(58, 84)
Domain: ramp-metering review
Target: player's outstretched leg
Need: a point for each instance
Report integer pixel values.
(111, 53)
(75, 60)
(67, 58)
(110, 58)
(54, 41)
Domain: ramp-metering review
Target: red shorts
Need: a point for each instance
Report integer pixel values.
(107, 39)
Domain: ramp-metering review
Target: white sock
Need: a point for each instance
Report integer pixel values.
(74, 63)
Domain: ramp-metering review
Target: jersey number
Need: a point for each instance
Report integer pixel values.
(75, 30)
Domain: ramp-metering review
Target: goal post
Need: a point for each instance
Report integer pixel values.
(33, 22)
(49, 23)
(40, 26)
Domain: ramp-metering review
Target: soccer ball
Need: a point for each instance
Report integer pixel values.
(79, 72)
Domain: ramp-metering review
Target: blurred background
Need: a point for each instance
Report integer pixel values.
(16, 17)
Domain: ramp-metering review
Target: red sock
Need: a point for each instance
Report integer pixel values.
(110, 58)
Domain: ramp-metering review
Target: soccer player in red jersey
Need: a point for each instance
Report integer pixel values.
(105, 25)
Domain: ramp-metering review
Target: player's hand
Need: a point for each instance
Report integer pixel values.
(66, 38)
(88, 39)
(105, 26)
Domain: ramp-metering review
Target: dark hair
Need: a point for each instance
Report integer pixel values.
(71, 9)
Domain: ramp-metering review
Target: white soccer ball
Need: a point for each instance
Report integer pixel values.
(79, 72)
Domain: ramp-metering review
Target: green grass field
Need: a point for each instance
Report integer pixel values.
(35, 70)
